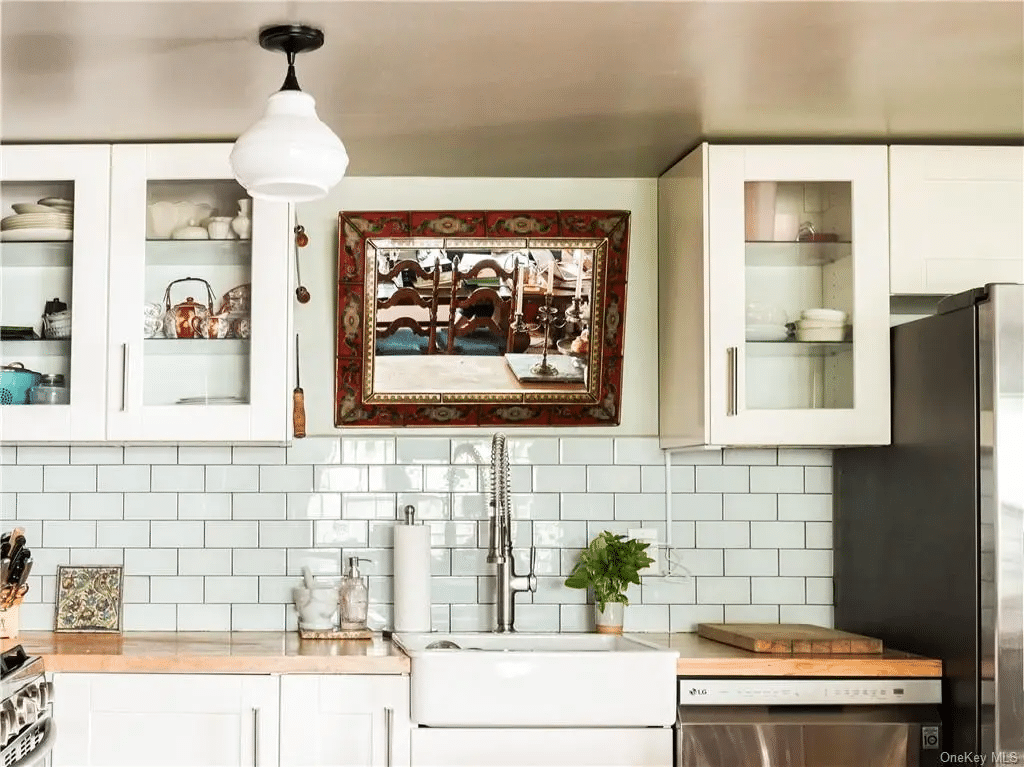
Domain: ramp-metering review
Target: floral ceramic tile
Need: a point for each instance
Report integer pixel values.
(88, 599)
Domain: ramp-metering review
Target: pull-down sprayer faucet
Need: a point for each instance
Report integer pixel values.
(499, 551)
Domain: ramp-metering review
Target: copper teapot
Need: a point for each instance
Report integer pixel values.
(184, 320)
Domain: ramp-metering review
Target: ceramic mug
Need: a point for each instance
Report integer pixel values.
(316, 607)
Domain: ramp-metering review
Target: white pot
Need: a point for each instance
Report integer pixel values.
(609, 620)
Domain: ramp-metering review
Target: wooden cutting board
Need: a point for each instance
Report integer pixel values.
(789, 638)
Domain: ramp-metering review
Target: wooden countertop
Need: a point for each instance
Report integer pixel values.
(272, 652)
(703, 657)
(280, 652)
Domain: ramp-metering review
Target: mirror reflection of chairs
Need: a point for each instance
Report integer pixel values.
(480, 309)
(407, 317)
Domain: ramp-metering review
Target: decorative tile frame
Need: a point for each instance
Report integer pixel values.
(89, 599)
(598, 406)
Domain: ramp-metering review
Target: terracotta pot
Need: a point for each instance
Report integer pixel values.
(609, 620)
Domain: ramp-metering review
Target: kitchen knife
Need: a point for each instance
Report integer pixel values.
(15, 575)
(5, 545)
(5, 567)
(17, 543)
(298, 399)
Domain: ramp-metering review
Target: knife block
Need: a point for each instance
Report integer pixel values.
(9, 620)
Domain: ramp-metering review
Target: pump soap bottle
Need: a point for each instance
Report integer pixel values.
(353, 598)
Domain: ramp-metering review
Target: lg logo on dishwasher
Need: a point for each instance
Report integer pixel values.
(697, 691)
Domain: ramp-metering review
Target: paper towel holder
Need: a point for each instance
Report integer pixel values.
(409, 514)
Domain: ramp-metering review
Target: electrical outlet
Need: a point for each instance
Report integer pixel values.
(650, 535)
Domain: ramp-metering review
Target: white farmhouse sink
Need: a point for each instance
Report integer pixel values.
(539, 680)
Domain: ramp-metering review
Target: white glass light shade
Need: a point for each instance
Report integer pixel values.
(289, 155)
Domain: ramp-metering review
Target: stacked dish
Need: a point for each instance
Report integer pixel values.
(821, 325)
(766, 323)
(52, 218)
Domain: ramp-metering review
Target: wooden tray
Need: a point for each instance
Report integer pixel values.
(335, 634)
(789, 638)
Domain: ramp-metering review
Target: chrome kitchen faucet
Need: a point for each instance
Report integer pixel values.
(499, 552)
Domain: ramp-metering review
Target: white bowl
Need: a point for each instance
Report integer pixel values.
(31, 207)
(834, 315)
(820, 334)
(767, 333)
(815, 324)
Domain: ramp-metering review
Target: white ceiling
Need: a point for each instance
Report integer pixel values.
(521, 89)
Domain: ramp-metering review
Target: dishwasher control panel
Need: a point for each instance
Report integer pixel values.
(721, 691)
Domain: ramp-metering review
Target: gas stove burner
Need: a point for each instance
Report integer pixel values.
(12, 660)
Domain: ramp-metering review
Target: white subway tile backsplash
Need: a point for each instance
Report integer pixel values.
(41, 506)
(817, 479)
(205, 454)
(639, 506)
(97, 454)
(178, 479)
(613, 479)
(722, 479)
(380, 478)
(776, 479)
(150, 505)
(258, 506)
(817, 615)
(585, 506)
(69, 478)
(232, 526)
(748, 456)
(232, 479)
(560, 479)
(176, 534)
(586, 451)
(50, 456)
(123, 479)
(749, 506)
(723, 535)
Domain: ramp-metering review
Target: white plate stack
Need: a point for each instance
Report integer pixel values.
(52, 218)
(821, 325)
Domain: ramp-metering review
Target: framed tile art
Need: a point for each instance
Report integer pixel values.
(89, 598)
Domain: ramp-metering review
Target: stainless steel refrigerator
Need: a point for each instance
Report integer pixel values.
(929, 531)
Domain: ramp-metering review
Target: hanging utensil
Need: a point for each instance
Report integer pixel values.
(298, 399)
(301, 240)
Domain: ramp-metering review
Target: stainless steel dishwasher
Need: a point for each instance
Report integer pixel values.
(787, 722)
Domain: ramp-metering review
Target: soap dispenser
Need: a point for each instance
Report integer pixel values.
(353, 597)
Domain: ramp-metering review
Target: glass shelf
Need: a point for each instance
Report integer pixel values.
(798, 348)
(788, 253)
(198, 252)
(198, 346)
(37, 347)
(36, 253)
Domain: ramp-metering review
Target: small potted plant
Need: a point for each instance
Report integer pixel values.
(608, 565)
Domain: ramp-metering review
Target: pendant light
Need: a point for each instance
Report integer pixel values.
(289, 155)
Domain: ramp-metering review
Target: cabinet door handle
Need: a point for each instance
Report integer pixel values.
(255, 737)
(733, 365)
(124, 377)
(389, 716)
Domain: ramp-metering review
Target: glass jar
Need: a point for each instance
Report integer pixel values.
(49, 391)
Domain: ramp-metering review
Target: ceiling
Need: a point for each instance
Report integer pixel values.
(574, 89)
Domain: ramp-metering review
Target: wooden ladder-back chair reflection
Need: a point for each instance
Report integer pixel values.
(416, 297)
(474, 308)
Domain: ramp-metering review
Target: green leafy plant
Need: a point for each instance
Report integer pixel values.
(609, 564)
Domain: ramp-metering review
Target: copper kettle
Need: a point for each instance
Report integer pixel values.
(182, 320)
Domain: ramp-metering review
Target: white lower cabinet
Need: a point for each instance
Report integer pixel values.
(165, 720)
(536, 747)
(344, 721)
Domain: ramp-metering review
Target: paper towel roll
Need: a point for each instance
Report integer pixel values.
(412, 578)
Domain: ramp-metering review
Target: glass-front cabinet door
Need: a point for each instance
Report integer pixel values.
(53, 292)
(799, 294)
(199, 317)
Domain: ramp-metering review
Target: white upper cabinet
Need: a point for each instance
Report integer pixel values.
(218, 370)
(773, 279)
(956, 216)
(53, 255)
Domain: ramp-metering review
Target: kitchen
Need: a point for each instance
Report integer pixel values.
(213, 537)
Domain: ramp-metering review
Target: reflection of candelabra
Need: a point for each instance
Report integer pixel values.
(546, 315)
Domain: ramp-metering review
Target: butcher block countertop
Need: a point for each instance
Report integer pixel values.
(271, 652)
(703, 657)
(280, 652)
